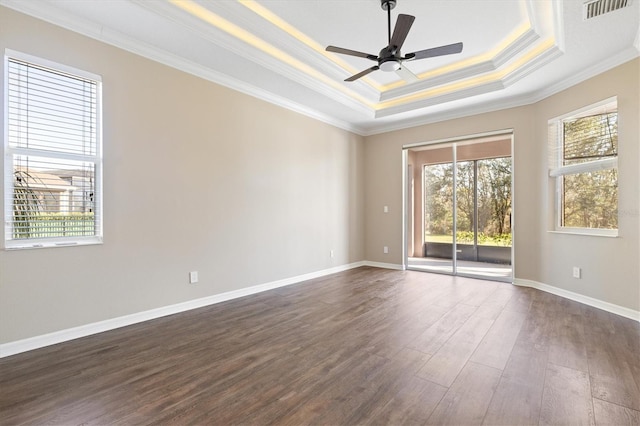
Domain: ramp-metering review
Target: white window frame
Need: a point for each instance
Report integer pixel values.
(9, 152)
(557, 171)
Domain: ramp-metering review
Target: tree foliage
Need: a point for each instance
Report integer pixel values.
(493, 198)
(26, 204)
(590, 199)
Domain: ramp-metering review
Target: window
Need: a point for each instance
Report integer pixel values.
(483, 202)
(584, 164)
(52, 155)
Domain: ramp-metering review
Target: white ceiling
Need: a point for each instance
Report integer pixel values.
(515, 51)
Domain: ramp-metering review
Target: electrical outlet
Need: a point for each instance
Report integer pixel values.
(331, 254)
(386, 209)
(576, 272)
(385, 250)
(193, 277)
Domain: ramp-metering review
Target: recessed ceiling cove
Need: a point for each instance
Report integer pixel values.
(515, 52)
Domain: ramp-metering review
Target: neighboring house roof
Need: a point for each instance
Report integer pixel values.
(45, 181)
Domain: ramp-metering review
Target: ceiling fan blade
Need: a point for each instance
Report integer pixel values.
(407, 75)
(436, 51)
(400, 32)
(362, 73)
(351, 52)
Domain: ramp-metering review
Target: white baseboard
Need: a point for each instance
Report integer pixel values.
(384, 265)
(596, 303)
(19, 346)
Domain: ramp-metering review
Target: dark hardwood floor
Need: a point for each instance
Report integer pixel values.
(366, 346)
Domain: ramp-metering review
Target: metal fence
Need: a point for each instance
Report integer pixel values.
(49, 225)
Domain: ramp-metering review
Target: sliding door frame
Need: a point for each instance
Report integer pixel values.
(407, 215)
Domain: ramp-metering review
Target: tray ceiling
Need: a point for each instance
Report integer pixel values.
(515, 52)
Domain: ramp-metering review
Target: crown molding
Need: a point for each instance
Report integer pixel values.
(605, 65)
(512, 102)
(439, 80)
(526, 41)
(486, 107)
(541, 60)
(519, 46)
(558, 24)
(236, 46)
(479, 89)
(315, 56)
(498, 84)
(54, 16)
(117, 39)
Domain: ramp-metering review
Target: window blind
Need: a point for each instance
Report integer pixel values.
(52, 155)
(589, 138)
(583, 144)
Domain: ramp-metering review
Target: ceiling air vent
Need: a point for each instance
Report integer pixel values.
(593, 8)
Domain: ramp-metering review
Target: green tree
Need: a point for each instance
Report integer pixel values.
(438, 179)
(495, 179)
(493, 198)
(590, 199)
(465, 196)
(26, 205)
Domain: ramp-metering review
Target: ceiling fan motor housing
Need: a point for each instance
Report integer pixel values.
(389, 59)
(387, 4)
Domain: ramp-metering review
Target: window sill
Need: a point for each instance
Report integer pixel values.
(607, 233)
(23, 245)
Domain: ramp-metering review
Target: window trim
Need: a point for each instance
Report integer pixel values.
(557, 171)
(8, 152)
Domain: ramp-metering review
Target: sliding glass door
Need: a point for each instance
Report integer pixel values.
(464, 225)
(438, 218)
(484, 218)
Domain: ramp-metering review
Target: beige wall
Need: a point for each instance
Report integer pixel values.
(610, 265)
(197, 177)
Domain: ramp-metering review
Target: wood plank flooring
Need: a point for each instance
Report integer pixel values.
(366, 346)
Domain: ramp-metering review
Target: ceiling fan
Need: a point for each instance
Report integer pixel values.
(390, 58)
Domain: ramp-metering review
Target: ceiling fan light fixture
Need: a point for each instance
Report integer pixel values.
(390, 65)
